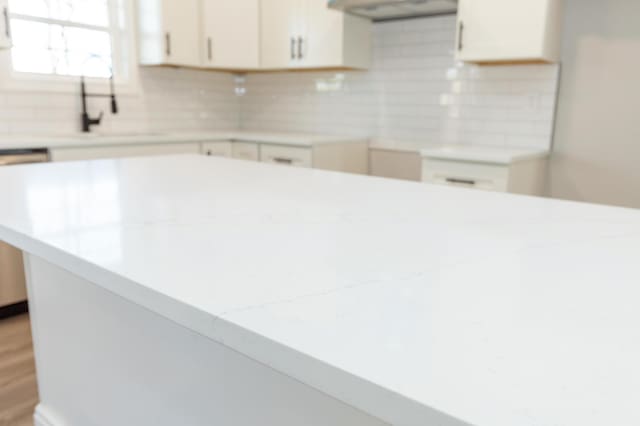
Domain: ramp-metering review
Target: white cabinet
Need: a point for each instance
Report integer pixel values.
(307, 34)
(231, 34)
(520, 177)
(280, 28)
(508, 30)
(217, 149)
(335, 39)
(345, 156)
(120, 151)
(246, 151)
(286, 155)
(229, 149)
(169, 32)
(5, 25)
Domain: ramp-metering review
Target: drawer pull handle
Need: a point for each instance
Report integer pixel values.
(281, 160)
(469, 182)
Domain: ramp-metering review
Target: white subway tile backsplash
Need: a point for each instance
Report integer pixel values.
(169, 99)
(415, 91)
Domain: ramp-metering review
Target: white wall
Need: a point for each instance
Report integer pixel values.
(168, 99)
(597, 144)
(415, 91)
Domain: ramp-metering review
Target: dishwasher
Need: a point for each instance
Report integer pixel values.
(13, 291)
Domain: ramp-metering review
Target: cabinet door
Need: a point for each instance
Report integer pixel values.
(231, 33)
(246, 151)
(395, 164)
(282, 27)
(507, 30)
(181, 19)
(12, 282)
(324, 36)
(217, 149)
(5, 26)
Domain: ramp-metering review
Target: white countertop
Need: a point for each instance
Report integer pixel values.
(403, 299)
(477, 154)
(483, 154)
(396, 145)
(97, 139)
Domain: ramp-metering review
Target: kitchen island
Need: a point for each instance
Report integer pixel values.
(206, 291)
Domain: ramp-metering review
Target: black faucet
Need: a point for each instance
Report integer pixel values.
(87, 121)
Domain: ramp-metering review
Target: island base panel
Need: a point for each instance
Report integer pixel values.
(102, 360)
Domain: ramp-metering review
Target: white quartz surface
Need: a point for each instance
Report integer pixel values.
(479, 154)
(419, 304)
(483, 154)
(97, 139)
(397, 145)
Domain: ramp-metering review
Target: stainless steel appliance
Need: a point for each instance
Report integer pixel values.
(13, 293)
(379, 10)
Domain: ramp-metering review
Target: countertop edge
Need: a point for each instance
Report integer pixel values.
(355, 391)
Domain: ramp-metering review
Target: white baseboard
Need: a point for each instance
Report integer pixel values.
(43, 418)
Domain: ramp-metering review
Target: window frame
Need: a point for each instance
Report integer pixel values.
(124, 57)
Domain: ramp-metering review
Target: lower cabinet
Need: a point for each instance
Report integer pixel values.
(218, 149)
(249, 151)
(246, 151)
(404, 165)
(521, 177)
(120, 151)
(286, 155)
(350, 157)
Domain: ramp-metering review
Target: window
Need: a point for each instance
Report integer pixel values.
(68, 37)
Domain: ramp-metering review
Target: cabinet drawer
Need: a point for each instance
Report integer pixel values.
(490, 177)
(217, 149)
(246, 151)
(286, 155)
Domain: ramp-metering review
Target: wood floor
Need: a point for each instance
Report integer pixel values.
(18, 389)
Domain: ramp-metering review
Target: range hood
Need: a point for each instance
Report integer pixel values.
(380, 10)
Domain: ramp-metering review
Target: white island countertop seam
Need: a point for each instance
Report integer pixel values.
(417, 304)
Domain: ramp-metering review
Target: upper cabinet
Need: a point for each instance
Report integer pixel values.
(5, 26)
(508, 31)
(307, 34)
(231, 34)
(247, 35)
(169, 32)
(281, 32)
